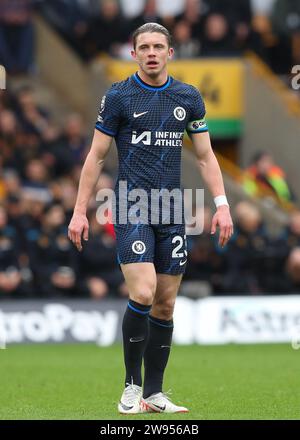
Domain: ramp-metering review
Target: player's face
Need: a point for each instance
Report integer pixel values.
(152, 53)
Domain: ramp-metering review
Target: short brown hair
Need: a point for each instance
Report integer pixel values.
(151, 27)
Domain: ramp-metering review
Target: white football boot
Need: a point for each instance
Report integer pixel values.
(130, 400)
(160, 402)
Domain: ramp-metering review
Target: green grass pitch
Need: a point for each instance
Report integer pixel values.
(86, 381)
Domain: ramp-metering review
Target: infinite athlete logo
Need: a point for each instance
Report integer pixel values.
(179, 113)
(138, 247)
(158, 138)
(144, 137)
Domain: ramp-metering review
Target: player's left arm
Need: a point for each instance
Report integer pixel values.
(210, 170)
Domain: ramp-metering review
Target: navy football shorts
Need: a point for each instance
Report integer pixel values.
(163, 245)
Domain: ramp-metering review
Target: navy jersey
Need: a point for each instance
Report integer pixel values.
(148, 124)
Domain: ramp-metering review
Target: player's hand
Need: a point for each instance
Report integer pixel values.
(78, 227)
(222, 219)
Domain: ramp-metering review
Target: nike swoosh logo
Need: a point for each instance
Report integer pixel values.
(181, 263)
(125, 407)
(140, 339)
(137, 115)
(165, 346)
(161, 408)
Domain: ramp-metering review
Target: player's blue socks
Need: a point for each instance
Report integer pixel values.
(157, 354)
(135, 329)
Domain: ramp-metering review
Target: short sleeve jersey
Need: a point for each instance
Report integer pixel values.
(148, 124)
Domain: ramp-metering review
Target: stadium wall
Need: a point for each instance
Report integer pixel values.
(272, 121)
(79, 85)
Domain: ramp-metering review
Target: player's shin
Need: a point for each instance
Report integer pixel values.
(135, 329)
(157, 354)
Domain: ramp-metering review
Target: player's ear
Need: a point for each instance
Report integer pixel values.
(171, 52)
(133, 54)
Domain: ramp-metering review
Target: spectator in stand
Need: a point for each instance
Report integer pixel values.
(150, 12)
(262, 26)
(75, 139)
(54, 152)
(185, 46)
(98, 263)
(241, 21)
(33, 118)
(107, 30)
(193, 11)
(217, 38)
(67, 196)
(246, 251)
(16, 35)
(262, 7)
(286, 24)
(193, 14)
(52, 257)
(16, 147)
(35, 185)
(238, 22)
(132, 11)
(169, 11)
(61, 152)
(275, 46)
(292, 270)
(205, 262)
(264, 173)
(33, 209)
(290, 236)
(2, 186)
(15, 211)
(275, 277)
(7, 99)
(132, 8)
(9, 136)
(10, 275)
(11, 182)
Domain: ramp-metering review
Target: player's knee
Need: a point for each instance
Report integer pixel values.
(144, 294)
(164, 309)
(144, 297)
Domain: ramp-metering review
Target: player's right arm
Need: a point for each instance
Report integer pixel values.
(90, 173)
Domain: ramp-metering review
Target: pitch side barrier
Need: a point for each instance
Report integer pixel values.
(212, 320)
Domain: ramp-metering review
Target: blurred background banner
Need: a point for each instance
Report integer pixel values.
(220, 81)
(203, 321)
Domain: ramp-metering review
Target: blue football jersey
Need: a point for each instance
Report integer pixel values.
(148, 124)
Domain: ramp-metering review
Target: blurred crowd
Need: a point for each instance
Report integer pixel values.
(254, 261)
(271, 28)
(199, 27)
(40, 161)
(40, 165)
